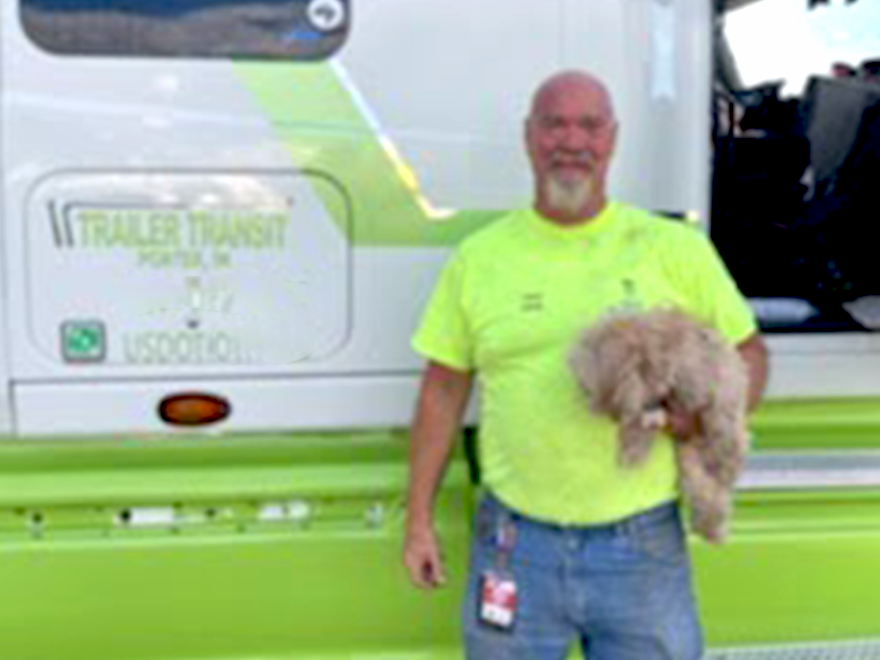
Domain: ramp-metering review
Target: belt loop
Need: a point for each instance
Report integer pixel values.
(505, 530)
(505, 538)
(634, 524)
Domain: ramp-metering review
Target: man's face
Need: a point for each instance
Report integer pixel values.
(570, 136)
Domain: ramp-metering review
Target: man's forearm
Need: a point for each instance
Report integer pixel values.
(434, 430)
(433, 437)
(754, 353)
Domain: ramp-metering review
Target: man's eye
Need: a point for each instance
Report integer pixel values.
(595, 126)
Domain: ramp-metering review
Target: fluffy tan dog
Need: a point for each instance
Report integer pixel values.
(635, 365)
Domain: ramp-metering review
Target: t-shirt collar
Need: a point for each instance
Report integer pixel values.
(590, 228)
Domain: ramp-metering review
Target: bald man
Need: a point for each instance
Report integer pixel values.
(568, 546)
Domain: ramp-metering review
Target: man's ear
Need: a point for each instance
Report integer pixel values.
(614, 133)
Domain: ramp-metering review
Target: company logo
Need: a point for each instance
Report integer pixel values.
(532, 302)
(326, 15)
(83, 341)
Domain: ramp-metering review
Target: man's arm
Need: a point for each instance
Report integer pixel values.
(683, 425)
(442, 400)
(753, 351)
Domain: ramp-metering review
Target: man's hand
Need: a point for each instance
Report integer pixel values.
(421, 556)
(681, 425)
(685, 426)
(442, 400)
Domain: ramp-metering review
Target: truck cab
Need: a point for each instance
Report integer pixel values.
(220, 221)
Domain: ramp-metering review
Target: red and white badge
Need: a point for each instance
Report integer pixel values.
(497, 601)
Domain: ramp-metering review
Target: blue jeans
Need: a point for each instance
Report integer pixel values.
(622, 590)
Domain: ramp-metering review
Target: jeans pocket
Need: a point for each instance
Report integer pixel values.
(662, 539)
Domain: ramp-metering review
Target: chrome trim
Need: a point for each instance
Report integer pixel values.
(802, 470)
(855, 650)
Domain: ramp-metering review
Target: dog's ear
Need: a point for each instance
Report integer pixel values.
(629, 397)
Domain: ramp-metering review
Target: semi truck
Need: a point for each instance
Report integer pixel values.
(220, 221)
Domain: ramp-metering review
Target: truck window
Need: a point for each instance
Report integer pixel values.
(285, 29)
(797, 149)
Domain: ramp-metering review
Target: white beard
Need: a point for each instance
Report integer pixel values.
(569, 196)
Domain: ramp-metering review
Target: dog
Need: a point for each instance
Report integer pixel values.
(635, 366)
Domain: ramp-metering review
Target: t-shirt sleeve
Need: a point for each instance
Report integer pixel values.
(444, 334)
(709, 287)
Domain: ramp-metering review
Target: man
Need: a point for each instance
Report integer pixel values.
(568, 545)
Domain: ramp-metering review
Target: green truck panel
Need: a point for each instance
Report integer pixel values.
(288, 547)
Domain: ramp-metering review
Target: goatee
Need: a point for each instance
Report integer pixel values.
(568, 196)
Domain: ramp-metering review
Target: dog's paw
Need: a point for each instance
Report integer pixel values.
(654, 419)
(715, 536)
(710, 525)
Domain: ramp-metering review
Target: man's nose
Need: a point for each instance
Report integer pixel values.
(574, 138)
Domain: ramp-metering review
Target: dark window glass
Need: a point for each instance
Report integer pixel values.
(267, 29)
(797, 161)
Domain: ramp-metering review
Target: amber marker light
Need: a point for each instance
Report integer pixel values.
(193, 409)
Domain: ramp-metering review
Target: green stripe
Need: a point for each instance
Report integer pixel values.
(818, 424)
(319, 123)
(799, 566)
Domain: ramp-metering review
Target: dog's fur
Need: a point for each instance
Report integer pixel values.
(634, 364)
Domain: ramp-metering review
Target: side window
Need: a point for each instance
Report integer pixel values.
(284, 29)
(797, 158)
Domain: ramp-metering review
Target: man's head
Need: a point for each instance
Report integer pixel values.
(571, 133)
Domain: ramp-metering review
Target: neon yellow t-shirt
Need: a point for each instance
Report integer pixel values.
(509, 305)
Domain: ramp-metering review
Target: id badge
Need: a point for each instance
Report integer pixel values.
(497, 600)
